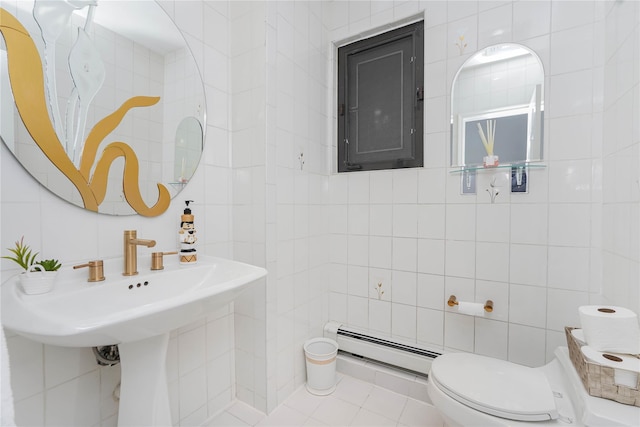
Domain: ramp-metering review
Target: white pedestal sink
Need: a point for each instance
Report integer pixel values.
(135, 312)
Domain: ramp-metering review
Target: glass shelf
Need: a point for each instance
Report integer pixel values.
(461, 169)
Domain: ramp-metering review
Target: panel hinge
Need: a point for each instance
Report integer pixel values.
(420, 93)
(341, 110)
(413, 131)
(413, 59)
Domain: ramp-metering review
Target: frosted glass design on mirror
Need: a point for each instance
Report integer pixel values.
(499, 88)
(97, 54)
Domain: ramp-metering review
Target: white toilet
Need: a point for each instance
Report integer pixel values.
(473, 390)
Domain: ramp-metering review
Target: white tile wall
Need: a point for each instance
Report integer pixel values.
(419, 231)
(536, 255)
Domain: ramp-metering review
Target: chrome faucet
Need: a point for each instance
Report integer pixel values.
(131, 242)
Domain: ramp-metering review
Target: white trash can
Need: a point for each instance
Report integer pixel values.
(320, 355)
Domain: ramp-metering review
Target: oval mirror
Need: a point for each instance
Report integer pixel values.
(497, 107)
(124, 79)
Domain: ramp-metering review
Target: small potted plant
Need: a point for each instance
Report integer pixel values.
(38, 276)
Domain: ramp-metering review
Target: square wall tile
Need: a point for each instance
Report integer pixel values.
(193, 391)
(431, 256)
(405, 220)
(492, 223)
(358, 187)
(338, 303)
(381, 186)
(528, 264)
(380, 252)
(495, 25)
(572, 49)
(460, 222)
(435, 43)
(405, 186)
(358, 280)
(76, 402)
(358, 311)
(568, 268)
(432, 185)
(381, 220)
(219, 335)
(460, 259)
(431, 221)
(430, 326)
(492, 261)
(219, 376)
(358, 250)
(570, 224)
(404, 254)
(527, 345)
(30, 411)
(404, 287)
(529, 224)
(403, 321)
(358, 219)
(337, 217)
(491, 338)
(459, 332)
(528, 305)
(65, 363)
(576, 134)
(571, 181)
(571, 14)
(430, 291)
(380, 316)
(531, 19)
(572, 92)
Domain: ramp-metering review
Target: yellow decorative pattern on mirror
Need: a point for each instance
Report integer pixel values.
(27, 82)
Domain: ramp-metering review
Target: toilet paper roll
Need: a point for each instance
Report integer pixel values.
(609, 328)
(626, 368)
(471, 308)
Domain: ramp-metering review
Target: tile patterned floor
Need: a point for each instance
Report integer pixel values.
(354, 403)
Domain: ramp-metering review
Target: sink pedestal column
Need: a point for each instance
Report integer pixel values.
(144, 394)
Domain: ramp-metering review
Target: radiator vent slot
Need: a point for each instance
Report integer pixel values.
(390, 344)
(381, 349)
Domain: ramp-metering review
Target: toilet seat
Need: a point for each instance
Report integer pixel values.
(495, 387)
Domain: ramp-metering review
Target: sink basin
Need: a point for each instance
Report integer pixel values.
(135, 312)
(123, 309)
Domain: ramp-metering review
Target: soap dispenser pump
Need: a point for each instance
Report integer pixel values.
(187, 236)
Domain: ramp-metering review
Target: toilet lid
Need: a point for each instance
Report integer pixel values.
(495, 387)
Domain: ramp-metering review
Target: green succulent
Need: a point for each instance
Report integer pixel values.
(25, 258)
(49, 264)
(23, 255)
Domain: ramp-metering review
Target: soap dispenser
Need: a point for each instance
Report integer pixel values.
(187, 237)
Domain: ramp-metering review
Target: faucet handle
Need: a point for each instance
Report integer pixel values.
(157, 259)
(96, 270)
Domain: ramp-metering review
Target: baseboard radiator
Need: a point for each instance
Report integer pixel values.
(363, 344)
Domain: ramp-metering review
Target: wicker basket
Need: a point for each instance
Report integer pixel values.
(598, 380)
